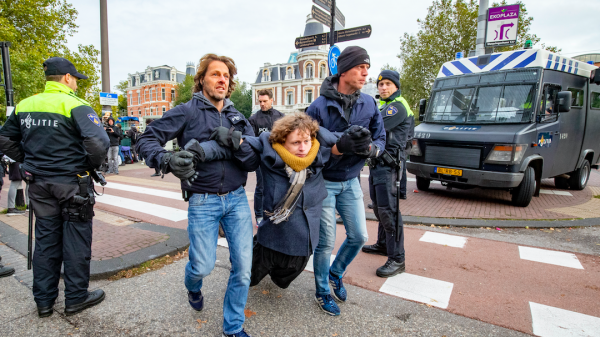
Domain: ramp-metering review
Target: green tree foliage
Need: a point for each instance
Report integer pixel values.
(122, 87)
(38, 30)
(183, 90)
(449, 27)
(242, 98)
(387, 66)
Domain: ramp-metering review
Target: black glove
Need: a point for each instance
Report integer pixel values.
(194, 147)
(371, 152)
(355, 139)
(227, 137)
(181, 164)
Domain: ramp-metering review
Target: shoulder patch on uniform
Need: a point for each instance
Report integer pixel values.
(94, 118)
(391, 110)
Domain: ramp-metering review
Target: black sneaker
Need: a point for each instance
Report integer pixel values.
(403, 196)
(93, 298)
(14, 211)
(375, 249)
(390, 268)
(45, 311)
(370, 206)
(196, 300)
(239, 334)
(156, 175)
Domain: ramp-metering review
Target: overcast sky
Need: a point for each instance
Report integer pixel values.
(252, 32)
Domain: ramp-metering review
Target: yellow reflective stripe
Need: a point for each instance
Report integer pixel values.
(51, 101)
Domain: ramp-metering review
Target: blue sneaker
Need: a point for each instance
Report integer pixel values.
(196, 300)
(339, 291)
(239, 334)
(327, 304)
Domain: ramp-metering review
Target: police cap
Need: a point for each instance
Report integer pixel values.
(61, 66)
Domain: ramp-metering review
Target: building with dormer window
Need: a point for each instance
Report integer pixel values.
(296, 83)
(151, 93)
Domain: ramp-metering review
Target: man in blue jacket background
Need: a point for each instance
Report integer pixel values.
(217, 194)
(341, 105)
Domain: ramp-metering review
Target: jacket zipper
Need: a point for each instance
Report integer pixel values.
(222, 164)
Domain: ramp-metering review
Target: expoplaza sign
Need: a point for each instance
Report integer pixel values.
(502, 26)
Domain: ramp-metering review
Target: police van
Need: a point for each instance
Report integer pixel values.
(508, 120)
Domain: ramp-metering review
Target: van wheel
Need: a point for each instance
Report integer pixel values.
(579, 178)
(523, 193)
(423, 183)
(561, 182)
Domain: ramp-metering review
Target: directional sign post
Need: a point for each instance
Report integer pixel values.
(321, 16)
(344, 35)
(327, 4)
(106, 98)
(502, 26)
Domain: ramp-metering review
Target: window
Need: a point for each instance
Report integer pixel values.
(288, 74)
(164, 96)
(595, 100)
(146, 112)
(265, 75)
(172, 94)
(486, 104)
(164, 109)
(146, 96)
(130, 98)
(309, 70)
(290, 98)
(576, 98)
(322, 71)
(308, 98)
(139, 112)
(547, 112)
(138, 96)
(152, 110)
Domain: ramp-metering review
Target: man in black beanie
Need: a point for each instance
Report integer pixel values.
(398, 120)
(342, 106)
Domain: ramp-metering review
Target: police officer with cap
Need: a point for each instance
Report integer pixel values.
(398, 120)
(60, 141)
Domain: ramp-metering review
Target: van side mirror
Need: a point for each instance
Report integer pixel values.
(422, 106)
(595, 76)
(564, 101)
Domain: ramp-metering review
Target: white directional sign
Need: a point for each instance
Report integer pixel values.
(106, 98)
(502, 24)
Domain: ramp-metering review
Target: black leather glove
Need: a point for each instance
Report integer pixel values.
(227, 137)
(194, 147)
(371, 152)
(355, 139)
(181, 164)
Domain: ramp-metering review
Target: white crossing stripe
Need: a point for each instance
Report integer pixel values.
(309, 265)
(550, 256)
(164, 212)
(418, 288)
(565, 193)
(144, 190)
(444, 239)
(549, 321)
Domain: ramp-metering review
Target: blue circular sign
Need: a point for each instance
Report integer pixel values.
(332, 57)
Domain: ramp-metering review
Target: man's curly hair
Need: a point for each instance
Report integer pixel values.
(205, 61)
(290, 123)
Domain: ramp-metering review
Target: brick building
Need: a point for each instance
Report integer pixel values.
(151, 93)
(296, 83)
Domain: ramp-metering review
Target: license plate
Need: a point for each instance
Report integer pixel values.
(448, 171)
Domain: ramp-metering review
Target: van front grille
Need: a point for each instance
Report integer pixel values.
(453, 156)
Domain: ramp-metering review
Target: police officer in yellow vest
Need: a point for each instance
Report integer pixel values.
(398, 120)
(59, 139)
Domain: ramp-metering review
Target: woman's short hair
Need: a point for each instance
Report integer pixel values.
(290, 123)
(205, 61)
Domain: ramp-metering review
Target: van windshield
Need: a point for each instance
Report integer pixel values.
(483, 104)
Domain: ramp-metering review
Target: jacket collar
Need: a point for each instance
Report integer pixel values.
(53, 87)
(390, 99)
(200, 96)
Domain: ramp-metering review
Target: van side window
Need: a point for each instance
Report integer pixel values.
(547, 111)
(595, 100)
(577, 97)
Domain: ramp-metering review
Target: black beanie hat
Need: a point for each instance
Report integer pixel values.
(390, 75)
(351, 57)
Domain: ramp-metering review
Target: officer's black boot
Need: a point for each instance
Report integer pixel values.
(45, 311)
(93, 298)
(375, 249)
(390, 268)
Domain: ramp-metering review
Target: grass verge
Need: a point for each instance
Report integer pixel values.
(149, 266)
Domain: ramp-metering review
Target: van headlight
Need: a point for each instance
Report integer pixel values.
(508, 154)
(415, 150)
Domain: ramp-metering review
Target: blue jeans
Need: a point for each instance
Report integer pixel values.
(205, 211)
(347, 198)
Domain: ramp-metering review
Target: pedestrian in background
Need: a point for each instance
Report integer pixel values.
(4, 271)
(342, 106)
(133, 134)
(398, 120)
(16, 183)
(217, 195)
(114, 135)
(60, 190)
(262, 121)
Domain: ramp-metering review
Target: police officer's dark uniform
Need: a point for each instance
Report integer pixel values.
(59, 139)
(261, 121)
(397, 117)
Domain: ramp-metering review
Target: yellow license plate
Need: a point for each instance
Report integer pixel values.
(448, 171)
